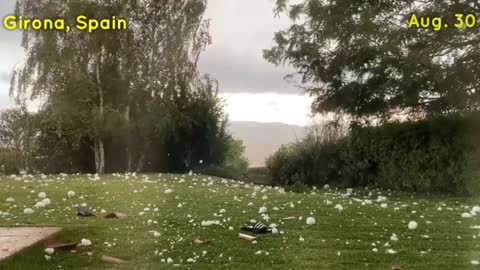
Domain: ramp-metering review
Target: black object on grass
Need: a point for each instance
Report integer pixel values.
(83, 212)
(256, 228)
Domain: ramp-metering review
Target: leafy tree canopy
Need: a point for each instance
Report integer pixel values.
(361, 58)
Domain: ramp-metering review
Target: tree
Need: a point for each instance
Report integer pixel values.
(111, 79)
(362, 59)
(17, 134)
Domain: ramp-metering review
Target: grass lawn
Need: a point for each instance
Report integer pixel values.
(339, 240)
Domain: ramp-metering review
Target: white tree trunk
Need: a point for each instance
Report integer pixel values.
(99, 146)
(99, 156)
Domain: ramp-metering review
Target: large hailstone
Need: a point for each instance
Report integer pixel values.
(311, 221)
(40, 205)
(412, 225)
(262, 210)
(42, 195)
(86, 242)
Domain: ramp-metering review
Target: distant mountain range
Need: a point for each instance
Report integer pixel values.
(263, 139)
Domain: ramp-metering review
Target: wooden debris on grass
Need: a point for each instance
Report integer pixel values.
(199, 242)
(111, 259)
(116, 215)
(247, 237)
(59, 245)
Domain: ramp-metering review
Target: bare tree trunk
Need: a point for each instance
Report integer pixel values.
(128, 150)
(99, 156)
(99, 146)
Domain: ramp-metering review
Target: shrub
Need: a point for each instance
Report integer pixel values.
(8, 162)
(435, 155)
(312, 161)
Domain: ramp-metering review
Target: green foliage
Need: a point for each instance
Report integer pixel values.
(308, 162)
(17, 136)
(437, 155)
(117, 90)
(360, 57)
(8, 161)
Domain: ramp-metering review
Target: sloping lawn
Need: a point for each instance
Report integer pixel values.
(165, 213)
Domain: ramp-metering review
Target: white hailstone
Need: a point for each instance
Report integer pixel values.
(375, 249)
(311, 221)
(223, 211)
(274, 231)
(466, 215)
(49, 251)
(368, 201)
(28, 211)
(71, 194)
(394, 237)
(258, 252)
(155, 209)
(262, 210)
(412, 225)
(46, 201)
(476, 209)
(190, 260)
(328, 202)
(42, 195)
(201, 162)
(381, 199)
(326, 186)
(48, 258)
(10, 199)
(391, 251)
(103, 211)
(230, 228)
(84, 205)
(86, 242)
(339, 207)
(168, 191)
(156, 234)
(169, 260)
(40, 205)
(475, 262)
(383, 205)
(301, 239)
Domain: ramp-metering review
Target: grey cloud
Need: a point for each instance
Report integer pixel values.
(235, 58)
(4, 77)
(5, 100)
(250, 74)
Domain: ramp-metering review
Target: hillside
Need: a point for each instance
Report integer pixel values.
(263, 139)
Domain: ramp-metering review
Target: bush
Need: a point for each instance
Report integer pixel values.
(8, 162)
(222, 172)
(436, 155)
(311, 161)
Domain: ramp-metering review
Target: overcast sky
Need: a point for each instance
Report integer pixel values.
(254, 90)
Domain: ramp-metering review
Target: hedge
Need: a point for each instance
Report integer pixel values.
(435, 155)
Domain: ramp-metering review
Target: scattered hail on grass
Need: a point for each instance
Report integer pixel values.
(311, 221)
(412, 225)
(42, 195)
(85, 242)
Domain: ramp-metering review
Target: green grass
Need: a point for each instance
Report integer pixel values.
(338, 240)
